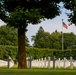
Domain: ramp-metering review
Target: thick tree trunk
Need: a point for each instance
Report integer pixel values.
(21, 50)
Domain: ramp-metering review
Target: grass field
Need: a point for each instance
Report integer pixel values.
(36, 71)
(13, 71)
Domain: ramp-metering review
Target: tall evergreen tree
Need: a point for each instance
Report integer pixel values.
(41, 40)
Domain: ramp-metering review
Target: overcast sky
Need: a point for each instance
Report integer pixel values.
(50, 26)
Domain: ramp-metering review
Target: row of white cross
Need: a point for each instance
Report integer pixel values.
(48, 63)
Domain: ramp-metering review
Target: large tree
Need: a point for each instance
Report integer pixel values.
(19, 13)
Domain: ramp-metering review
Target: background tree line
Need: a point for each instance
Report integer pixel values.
(44, 39)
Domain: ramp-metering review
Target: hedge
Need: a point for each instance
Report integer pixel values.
(36, 53)
(6, 51)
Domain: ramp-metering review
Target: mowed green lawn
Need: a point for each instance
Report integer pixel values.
(36, 72)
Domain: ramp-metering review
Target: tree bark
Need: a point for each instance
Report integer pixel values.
(22, 64)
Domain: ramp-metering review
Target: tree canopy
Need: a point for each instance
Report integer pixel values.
(23, 12)
(71, 5)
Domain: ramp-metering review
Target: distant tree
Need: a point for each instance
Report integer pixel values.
(55, 41)
(44, 39)
(69, 40)
(9, 36)
(41, 39)
(38, 36)
(56, 31)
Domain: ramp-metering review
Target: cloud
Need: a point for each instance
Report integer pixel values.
(2, 23)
